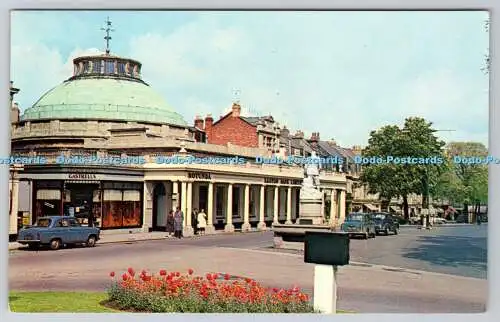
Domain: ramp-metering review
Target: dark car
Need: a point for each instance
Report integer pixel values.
(56, 231)
(385, 223)
(359, 224)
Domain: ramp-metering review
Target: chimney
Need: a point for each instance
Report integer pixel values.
(314, 137)
(236, 110)
(299, 135)
(209, 120)
(332, 142)
(285, 132)
(198, 122)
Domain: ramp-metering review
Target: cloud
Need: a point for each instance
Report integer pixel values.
(341, 74)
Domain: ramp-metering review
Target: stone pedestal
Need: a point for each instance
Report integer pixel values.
(210, 230)
(188, 231)
(261, 226)
(246, 227)
(310, 210)
(229, 228)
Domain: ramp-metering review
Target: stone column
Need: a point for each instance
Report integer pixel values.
(229, 213)
(188, 228)
(184, 201)
(276, 205)
(246, 212)
(333, 208)
(175, 195)
(342, 206)
(289, 206)
(210, 210)
(262, 225)
(15, 206)
(147, 216)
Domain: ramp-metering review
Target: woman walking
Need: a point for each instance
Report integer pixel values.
(178, 220)
(202, 222)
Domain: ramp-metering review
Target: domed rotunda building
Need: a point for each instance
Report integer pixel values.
(95, 141)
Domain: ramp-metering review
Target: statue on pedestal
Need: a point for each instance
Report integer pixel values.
(310, 184)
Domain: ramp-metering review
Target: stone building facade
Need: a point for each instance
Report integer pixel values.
(116, 154)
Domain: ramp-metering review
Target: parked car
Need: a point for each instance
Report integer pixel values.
(57, 231)
(359, 224)
(385, 223)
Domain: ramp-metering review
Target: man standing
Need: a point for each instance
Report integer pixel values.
(194, 219)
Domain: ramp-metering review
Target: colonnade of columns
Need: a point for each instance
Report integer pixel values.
(184, 200)
(279, 203)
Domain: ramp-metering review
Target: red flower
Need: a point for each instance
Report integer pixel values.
(131, 271)
(163, 272)
(125, 276)
(208, 276)
(227, 277)
(190, 271)
(177, 274)
(112, 274)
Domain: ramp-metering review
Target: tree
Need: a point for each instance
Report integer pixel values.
(472, 177)
(392, 179)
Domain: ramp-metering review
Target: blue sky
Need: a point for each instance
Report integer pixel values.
(342, 74)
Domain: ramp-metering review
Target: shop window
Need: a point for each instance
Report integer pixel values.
(48, 203)
(121, 208)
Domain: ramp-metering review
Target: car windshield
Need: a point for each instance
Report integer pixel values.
(354, 217)
(43, 222)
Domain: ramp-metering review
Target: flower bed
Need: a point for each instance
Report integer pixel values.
(212, 293)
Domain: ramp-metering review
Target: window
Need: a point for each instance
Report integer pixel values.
(43, 222)
(122, 207)
(96, 66)
(86, 67)
(63, 223)
(74, 223)
(110, 67)
(121, 68)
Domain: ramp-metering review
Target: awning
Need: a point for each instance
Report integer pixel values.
(395, 208)
(370, 206)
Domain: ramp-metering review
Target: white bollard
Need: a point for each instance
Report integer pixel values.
(325, 289)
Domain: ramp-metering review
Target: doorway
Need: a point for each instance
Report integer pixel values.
(78, 202)
(159, 209)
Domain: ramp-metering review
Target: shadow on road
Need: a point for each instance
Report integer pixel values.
(450, 251)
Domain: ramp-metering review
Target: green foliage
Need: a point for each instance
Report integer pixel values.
(415, 139)
(464, 182)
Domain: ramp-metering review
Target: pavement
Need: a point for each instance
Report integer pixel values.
(131, 237)
(364, 286)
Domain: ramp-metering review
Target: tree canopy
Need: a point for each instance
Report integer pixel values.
(416, 139)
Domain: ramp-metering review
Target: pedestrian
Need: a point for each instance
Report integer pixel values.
(170, 223)
(202, 222)
(194, 220)
(178, 220)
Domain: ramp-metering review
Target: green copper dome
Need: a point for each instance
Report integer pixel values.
(104, 88)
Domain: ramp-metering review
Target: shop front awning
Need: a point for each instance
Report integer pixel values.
(370, 206)
(395, 208)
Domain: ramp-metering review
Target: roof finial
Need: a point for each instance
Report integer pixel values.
(108, 29)
(236, 96)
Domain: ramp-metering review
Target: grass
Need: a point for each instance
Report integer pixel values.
(60, 302)
(63, 302)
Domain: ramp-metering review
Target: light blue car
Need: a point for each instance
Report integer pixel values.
(359, 224)
(57, 231)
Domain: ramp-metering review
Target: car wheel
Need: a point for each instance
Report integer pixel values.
(91, 241)
(55, 244)
(366, 235)
(396, 231)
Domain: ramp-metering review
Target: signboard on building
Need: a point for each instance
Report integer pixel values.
(199, 175)
(82, 176)
(282, 181)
